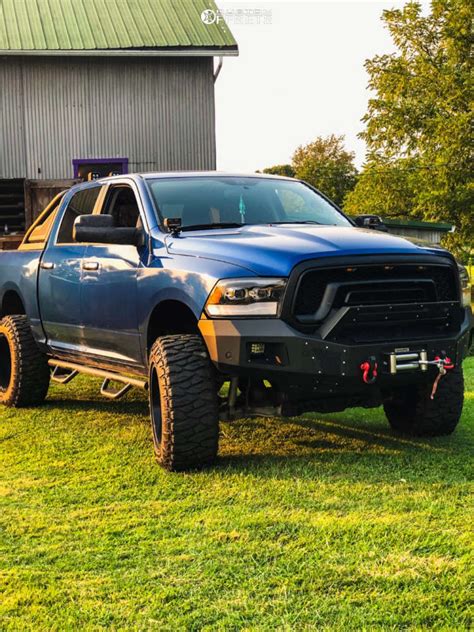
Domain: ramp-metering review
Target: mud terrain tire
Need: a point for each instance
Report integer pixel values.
(183, 403)
(411, 411)
(24, 370)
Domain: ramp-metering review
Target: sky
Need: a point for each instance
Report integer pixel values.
(299, 76)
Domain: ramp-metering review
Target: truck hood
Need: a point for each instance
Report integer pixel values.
(275, 250)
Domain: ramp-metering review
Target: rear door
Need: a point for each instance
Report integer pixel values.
(109, 284)
(59, 284)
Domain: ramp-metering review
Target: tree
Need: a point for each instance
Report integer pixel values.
(418, 123)
(326, 165)
(281, 170)
(384, 188)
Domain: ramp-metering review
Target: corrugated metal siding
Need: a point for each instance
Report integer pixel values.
(431, 236)
(109, 24)
(159, 113)
(12, 130)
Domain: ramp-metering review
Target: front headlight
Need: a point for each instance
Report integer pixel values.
(246, 297)
(465, 286)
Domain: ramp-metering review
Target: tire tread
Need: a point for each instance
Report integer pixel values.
(189, 403)
(413, 412)
(31, 377)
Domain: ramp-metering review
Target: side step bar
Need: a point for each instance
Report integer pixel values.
(108, 376)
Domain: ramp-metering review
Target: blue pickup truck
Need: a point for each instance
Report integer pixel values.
(227, 296)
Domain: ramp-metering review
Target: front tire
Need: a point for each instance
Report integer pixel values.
(24, 370)
(411, 411)
(183, 403)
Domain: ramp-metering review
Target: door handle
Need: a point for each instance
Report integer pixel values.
(47, 265)
(90, 266)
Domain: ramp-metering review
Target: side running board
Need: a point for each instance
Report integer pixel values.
(65, 372)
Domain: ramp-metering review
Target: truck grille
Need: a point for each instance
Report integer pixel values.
(377, 301)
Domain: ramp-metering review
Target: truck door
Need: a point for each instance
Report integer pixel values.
(109, 285)
(59, 284)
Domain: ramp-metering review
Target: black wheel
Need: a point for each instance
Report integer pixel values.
(24, 370)
(183, 403)
(411, 410)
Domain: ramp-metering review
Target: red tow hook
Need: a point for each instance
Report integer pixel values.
(369, 370)
(444, 365)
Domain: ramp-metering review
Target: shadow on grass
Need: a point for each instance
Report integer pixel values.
(358, 429)
(356, 439)
(361, 431)
(122, 408)
(349, 446)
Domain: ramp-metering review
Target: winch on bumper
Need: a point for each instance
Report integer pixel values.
(307, 365)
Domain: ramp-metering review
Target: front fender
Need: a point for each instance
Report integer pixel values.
(188, 280)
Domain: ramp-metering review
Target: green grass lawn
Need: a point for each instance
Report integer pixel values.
(322, 521)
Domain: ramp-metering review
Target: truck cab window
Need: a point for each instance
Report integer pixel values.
(82, 203)
(122, 204)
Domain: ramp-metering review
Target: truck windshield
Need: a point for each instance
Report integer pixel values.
(215, 201)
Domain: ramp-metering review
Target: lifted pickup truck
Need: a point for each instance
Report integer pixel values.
(182, 283)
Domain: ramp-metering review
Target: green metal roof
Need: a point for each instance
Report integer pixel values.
(104, 26)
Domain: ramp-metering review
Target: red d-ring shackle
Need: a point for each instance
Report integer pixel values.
(369, 370)
(447, 362)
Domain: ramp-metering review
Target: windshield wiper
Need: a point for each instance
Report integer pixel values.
(213, 225)
(175, 229)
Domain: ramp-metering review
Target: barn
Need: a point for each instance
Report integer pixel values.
(94, 87)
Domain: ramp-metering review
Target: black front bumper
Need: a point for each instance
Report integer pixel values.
(304, 363)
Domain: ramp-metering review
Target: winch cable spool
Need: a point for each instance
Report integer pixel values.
(444, 364)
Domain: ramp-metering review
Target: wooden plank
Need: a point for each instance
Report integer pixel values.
(39, 193)
(10, 242)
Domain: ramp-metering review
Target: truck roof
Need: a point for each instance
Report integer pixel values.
(191, 174)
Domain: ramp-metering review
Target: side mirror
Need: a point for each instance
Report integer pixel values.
(371, 221)
(101, 229)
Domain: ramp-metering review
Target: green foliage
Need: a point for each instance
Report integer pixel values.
(281, 170)
(319, 522)
(326, 165)
(418, 124)
(382, 188)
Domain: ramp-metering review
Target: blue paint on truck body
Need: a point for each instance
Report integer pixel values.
(105, 313)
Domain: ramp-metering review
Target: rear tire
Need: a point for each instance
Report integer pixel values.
(411, 411)
(24, 370)
(183, 403)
